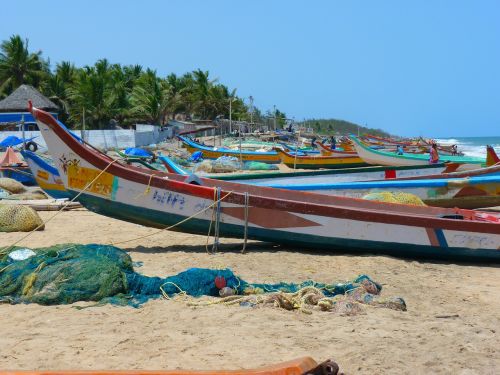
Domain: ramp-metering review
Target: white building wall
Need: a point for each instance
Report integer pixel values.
(108, 139)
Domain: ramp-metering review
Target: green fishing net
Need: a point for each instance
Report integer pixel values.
(259, 166)
(65, 274)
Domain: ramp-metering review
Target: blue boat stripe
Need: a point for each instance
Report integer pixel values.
(441, 238)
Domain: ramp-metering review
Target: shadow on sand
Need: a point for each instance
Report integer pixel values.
(269, 247)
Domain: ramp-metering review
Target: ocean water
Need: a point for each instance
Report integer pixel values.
(472, 146)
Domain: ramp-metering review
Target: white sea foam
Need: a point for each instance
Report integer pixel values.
(472, 146)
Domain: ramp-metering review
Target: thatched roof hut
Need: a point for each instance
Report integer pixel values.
(18, 100)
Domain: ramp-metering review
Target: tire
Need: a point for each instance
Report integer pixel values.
(31, 146)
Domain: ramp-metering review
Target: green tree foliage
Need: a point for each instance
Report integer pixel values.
(333, 126)
(150, 99)
(18, 65)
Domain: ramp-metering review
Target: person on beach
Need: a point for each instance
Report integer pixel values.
(433, 154)
(333, 143)
(400, 150)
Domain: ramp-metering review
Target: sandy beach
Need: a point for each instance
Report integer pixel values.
(450, 327)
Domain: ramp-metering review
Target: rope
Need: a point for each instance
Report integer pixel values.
(174, 225)
(147, 190)
(211, 221)
(3, 251)
(245, 230)
(215, 246)
(166, 296)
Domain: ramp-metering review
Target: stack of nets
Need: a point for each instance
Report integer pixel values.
(70, 273)
(11, 185)
(259, 166)
(14, 190)
(223, 164)
(17, 218)
(395, 197)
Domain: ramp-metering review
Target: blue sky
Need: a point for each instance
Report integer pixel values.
(427, 67)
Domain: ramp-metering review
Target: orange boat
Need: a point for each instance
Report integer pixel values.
(301, 366)
(327, 151)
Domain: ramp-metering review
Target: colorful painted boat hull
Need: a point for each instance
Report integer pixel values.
(474, 189)
(21, 174)
(317, 162)
(307, 220)
(46, 175)
(211, 153)
(378, 157)
(318, 176)
(475, 192)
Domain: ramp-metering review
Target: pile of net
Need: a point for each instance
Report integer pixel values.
(395, 197)
(259, 166)
(32, 194)
(223, 164)
(66, 274)
(12, 186)
(17, 218)
(14, 190)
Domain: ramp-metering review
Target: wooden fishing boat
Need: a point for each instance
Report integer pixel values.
(215, 153)
(300, 366)
(327, 150)
(162, 200)
(12, 167)
(376, 140)
(316, 162)
(321, 176)
(470, 192)
(302, 150)
(379, 157)
(469, 189)
(448, 149)
(46, 175)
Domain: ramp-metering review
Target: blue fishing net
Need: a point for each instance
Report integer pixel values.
(65, 274)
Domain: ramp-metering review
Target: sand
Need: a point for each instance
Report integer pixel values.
(450, 327)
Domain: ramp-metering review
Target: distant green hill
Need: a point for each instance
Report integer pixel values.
(333, 126)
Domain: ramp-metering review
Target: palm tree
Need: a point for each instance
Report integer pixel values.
(201, 93)
(91, 93)
(18, 65)
(150, 98)
(56, 87)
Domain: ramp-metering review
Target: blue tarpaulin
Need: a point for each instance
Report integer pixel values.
(133, 151)
(12, 140)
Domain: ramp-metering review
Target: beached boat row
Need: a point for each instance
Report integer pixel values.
(321, 221)
(329, 158)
